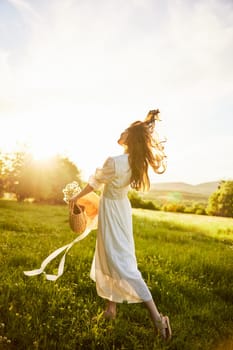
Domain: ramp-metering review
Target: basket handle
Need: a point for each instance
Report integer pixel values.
(78, 209)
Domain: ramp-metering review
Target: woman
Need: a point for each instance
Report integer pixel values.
(114, 267)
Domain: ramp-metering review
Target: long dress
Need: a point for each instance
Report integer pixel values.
(114, 267)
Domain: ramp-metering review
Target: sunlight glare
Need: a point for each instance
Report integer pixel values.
(42, 152)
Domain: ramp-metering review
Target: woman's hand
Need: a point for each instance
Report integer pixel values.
(87, 189)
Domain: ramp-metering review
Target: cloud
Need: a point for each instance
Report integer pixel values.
(25, 8)
(114, 49)
(96, 61)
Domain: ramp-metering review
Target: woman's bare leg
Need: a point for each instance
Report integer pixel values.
(110, 311)
(160, 322)
(154, 313)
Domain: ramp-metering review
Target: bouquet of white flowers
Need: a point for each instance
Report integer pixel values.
(70, 190)
(77, 213)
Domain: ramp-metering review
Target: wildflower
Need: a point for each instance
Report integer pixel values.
(70, 190)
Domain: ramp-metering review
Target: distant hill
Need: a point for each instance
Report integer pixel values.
(181, 191)
(204, 188)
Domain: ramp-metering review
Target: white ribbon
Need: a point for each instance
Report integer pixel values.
(59, 251)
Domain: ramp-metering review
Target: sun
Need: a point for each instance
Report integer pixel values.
(40, 153)
(42, 137)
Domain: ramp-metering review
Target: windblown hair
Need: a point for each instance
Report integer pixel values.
(144, 150)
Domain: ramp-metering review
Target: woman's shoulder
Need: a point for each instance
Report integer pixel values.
(121, 162)
(120, 157)
(116, 161)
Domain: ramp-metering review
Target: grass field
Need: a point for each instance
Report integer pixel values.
(186, 260)
(184, 197)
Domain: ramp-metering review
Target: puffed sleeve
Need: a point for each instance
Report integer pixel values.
(103, 175)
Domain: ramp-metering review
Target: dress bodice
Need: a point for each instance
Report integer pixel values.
(115, 175)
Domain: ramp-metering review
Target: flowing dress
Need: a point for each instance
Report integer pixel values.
(114, 267)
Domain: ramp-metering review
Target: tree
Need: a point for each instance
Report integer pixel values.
(51, 177)
(40, 180)
(137, 201)
(220, 203)
(10, 165)
(22, 175)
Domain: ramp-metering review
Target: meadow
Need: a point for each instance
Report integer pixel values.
(186, 260)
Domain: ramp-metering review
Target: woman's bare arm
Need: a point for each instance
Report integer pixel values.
(87, 189)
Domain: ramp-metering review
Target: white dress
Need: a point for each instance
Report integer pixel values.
(114, 267)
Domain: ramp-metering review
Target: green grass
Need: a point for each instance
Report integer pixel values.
(171, 196)
(186, 260)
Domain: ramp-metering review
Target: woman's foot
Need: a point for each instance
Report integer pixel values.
(110, 315)
(163, 327)
(110, 312)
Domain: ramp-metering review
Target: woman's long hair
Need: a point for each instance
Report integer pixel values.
(144, 150)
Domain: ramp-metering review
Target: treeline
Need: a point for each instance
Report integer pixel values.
(220, 203)
(24, 178)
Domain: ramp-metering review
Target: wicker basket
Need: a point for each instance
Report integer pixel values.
(78, 219)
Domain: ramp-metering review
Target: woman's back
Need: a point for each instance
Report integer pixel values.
(118, 185)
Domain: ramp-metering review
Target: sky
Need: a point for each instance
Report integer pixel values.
(75, 73)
